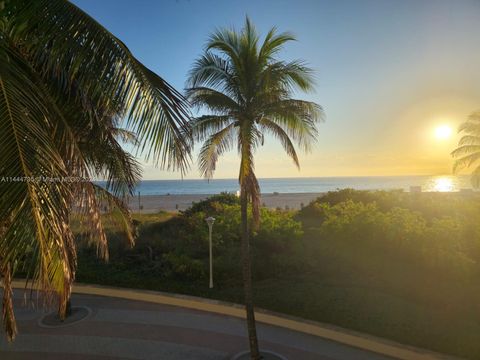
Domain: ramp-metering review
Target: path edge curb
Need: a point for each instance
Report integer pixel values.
(330, 332)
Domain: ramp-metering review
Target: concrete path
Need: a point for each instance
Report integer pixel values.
(129, 329)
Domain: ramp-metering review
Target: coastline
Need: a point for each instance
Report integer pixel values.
(293, 201)
(174, 202)
(432, 183)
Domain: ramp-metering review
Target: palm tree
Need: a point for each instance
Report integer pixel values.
(70, 94)
(467, 153)
(247, 93)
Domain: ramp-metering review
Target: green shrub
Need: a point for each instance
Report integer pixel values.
(448, 242)
(213, 204)
(179, 245)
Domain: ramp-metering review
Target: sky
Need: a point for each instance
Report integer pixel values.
(388, 73)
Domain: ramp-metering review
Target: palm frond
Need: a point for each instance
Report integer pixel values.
(117, 213)
(213, 100)
(474, 117)
(469, 140)
(216, 145)
(205, 126)
(295, 74)
(249, 37)
(465, 150)
(297, 118)
(127, 136)
(108, 160)
(66, 84)
(272, 44)
(465, 161)
(209, 70)
(283, 137)
(8, 315)
(109, 76)
(471, 127)
(90, 207)
(227, 42)
(36, 202)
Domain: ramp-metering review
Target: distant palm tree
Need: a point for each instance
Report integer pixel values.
(70, 93)
(467, 154)
(247, 93)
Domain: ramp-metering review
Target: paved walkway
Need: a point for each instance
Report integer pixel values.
(128, 329)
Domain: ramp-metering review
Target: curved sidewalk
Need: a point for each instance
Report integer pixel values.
(139, 324)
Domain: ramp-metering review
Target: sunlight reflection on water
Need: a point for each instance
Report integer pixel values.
(443, 184)
(434, 183)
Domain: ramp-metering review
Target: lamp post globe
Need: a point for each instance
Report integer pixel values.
(210, 220)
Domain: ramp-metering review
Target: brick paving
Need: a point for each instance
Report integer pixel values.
(128, 329)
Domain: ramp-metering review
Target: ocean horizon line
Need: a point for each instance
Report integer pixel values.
(442, 183)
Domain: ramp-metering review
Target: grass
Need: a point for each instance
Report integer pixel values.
(157, 217)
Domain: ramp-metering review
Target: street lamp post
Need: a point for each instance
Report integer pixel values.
(210, 220)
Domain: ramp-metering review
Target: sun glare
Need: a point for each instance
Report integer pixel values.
(443, 184)
(443, 132)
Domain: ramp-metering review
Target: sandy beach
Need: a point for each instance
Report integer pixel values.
(176, 202)
(153, 203)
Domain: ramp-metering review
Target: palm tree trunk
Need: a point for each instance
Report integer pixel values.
(247, 279)
(68, 311)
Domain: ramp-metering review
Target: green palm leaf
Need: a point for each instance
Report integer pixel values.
(102, 66)
(467, 153)
(32, 208)
(69, 92)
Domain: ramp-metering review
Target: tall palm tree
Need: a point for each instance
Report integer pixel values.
(467, 153)
(70, 94)
(247, 93)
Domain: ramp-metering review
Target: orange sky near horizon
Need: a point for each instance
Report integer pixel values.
(408, 147)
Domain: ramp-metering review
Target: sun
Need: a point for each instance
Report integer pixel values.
(443, 132)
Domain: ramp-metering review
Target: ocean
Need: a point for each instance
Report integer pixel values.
(306, 185)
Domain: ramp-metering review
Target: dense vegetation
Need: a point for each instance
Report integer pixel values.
(397, 265)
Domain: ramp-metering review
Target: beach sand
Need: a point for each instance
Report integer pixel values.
(154, 203)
